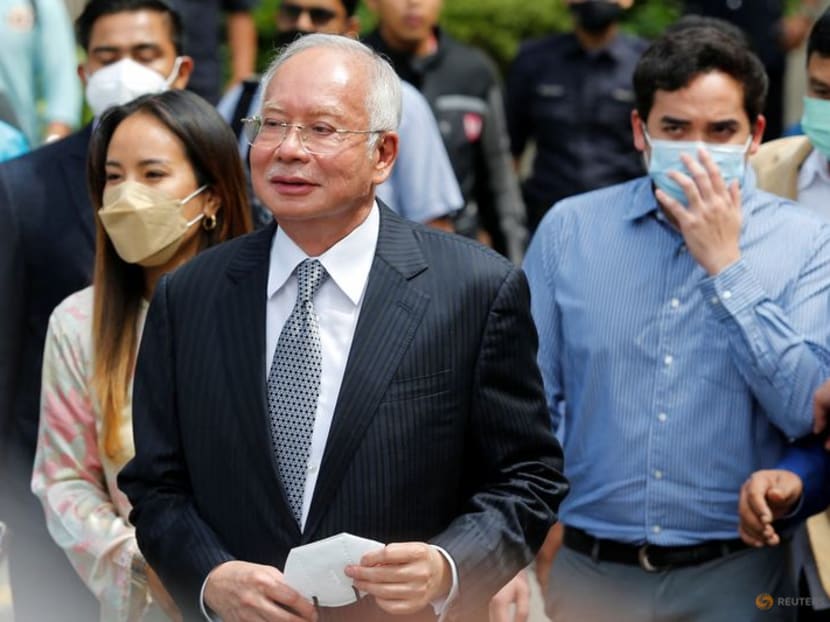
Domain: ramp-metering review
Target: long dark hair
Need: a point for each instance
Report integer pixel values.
(211, 149)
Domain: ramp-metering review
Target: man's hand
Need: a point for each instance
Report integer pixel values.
(403, 577)
(821, 406)
(546, 554)
(512, 602)
(711, 224)
(242, 592)
(162, 597)
(767, 495)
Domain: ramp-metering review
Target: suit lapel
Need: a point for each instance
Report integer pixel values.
(804, 148)
(241, 313)
(392, 310)
(778, 165)
(77, 146)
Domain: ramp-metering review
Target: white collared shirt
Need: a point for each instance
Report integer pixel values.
(337, 304)
(814, 184)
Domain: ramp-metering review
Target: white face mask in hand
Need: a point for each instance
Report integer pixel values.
(122, 82)
(317, 570)
(145, 224)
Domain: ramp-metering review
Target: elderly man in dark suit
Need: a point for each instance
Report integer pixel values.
(48, 241)
(344, 371)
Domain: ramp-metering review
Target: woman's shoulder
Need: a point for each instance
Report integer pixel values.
(74, 313)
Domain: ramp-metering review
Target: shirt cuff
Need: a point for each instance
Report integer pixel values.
(442, 605)
(211, 617)
(731, 291)
(795, 511)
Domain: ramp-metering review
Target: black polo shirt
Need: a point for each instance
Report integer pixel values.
(576, 105)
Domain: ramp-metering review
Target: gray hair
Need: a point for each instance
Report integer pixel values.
(383, 98)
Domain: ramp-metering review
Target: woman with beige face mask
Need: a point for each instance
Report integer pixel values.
(165, 173)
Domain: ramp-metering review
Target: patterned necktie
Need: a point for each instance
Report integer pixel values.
(294, 385)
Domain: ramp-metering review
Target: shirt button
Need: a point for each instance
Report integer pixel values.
(312, 468)
(683, 248)
(656, 529)
(726, 295)
(658, 474)
(661, 417)
(714, 300)
(668, 360)
(675, 303)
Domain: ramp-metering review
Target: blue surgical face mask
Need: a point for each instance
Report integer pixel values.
(665, 157)
(816, 124)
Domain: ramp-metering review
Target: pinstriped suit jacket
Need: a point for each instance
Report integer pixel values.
(440, 432)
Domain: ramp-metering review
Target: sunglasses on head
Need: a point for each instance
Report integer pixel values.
(318, 15)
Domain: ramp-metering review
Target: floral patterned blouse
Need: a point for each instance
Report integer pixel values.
(86, 513)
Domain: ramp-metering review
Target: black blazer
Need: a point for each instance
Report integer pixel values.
(440, 433)
(47, 247)
(47, 244)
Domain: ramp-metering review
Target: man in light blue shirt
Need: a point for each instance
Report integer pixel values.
(683, 330)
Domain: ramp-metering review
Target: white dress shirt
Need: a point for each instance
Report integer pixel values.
(337, 305)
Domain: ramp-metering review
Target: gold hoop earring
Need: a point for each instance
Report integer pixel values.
(209, 222)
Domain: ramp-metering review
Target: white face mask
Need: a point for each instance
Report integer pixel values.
(122, 82)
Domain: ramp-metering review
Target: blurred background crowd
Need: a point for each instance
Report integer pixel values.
(514, 105)
(496, 26)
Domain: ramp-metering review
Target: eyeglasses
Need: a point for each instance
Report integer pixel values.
(317, 138)
(318, 15)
